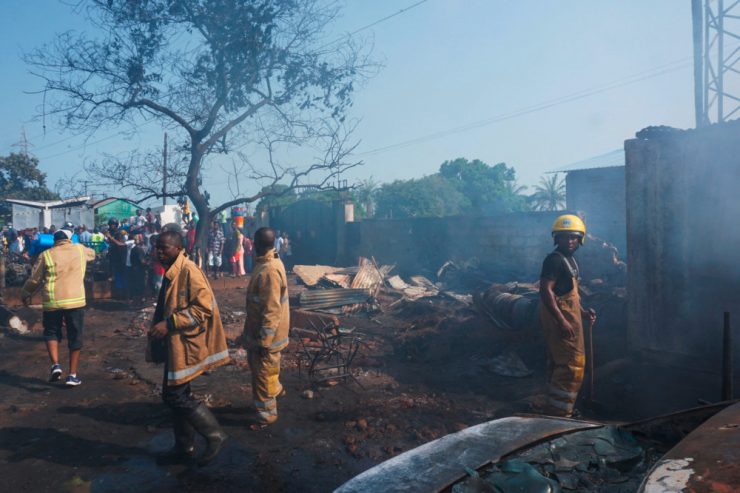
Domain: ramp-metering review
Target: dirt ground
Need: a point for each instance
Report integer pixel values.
(424, 368)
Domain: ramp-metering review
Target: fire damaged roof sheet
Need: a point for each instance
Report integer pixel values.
(437, 464)
(707, 460)
(310, 274)
(330, 298)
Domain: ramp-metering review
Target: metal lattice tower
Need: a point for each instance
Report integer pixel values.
(716, 60)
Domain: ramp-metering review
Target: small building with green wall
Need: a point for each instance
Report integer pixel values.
(113, 207)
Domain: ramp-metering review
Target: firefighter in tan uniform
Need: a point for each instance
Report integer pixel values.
(266, 327)
(561, 316)
(188, 337)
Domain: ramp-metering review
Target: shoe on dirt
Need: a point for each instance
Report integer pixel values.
(55, 373)
(73, 381)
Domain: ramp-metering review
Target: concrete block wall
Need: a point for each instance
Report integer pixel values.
(508, 246)
(683, 240)
(598, 195)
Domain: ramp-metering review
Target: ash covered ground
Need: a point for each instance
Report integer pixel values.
(425, 368)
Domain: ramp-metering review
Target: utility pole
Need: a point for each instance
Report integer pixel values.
(164, 171)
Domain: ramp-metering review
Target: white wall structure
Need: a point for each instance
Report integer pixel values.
(44, 213)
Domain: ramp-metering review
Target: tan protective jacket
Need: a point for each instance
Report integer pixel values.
(196, 338)
(61, 269)
(268, 313)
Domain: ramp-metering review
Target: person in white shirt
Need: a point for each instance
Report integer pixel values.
(139, 220)
(278, 243)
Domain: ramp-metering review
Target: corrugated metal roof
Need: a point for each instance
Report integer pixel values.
(610, 159)
(50, 204)
(330, 298)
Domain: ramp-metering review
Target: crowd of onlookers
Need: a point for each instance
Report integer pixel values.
(232, 249)
(126, 248)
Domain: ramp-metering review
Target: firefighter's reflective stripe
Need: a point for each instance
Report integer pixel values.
(561, 393)
(51, 278)
(279, 344)
(267, 332)
(265, 369)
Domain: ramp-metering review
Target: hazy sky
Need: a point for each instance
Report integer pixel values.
(537, 84)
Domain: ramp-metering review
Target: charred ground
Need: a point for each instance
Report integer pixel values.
(426, 368)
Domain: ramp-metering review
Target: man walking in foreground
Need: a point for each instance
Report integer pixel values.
(266, 327)
(561, 316)
(187, 336)
(61, 269)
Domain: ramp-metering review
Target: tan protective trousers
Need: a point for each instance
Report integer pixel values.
(265, 384)
(567, 356)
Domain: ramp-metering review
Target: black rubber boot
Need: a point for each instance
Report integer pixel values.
(205, 423)
(184, 448)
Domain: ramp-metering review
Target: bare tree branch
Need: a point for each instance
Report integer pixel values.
(247, 69)
(335, 161)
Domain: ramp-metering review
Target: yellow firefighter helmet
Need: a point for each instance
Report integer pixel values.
(569, 223)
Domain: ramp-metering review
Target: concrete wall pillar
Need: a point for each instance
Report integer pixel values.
(45, 218)
(344, 212)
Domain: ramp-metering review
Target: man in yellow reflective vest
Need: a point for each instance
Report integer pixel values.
(561, 316)
(266, 327)
(61, 269)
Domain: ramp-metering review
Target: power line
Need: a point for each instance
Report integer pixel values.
(109, 137)
(632, 79)
(655, 72)
(61, 141)
(343, 38)
(373, 24)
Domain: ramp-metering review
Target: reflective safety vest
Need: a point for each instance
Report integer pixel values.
(98, 242)
(61, 269)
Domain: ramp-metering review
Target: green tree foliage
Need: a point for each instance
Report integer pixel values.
(460, 187)
(281, 196)
(363, 196)
(20, 178)
(549, 195)
(428, 196)
(277, 196)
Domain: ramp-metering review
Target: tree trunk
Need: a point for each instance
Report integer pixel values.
(199, 201)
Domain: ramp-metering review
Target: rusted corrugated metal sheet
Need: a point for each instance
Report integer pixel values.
(367, 277)
(336, 280)
(330, 298)
(707, 460)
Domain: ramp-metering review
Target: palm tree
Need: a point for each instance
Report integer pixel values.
(549, 195)
(513, 188)
(365, 194)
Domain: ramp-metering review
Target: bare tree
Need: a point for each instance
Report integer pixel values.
(217, 71)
